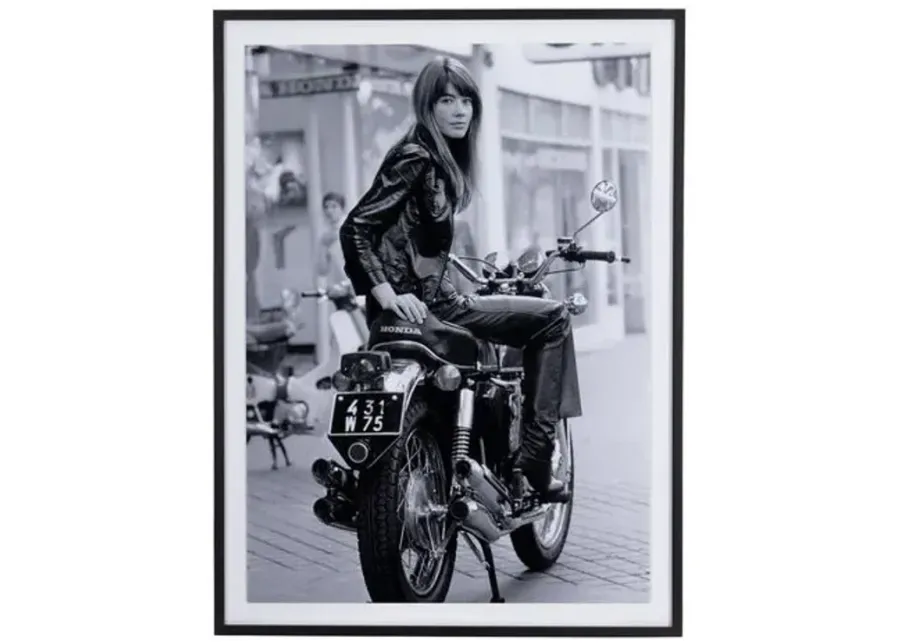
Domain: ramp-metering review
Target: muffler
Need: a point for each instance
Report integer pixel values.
(335, 512)
(484, 511)
(331, 475)
(475, 519)
(486, 489)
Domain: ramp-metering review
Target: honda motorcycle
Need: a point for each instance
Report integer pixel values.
(427, 421)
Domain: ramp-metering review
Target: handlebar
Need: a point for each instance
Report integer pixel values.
(593, 255)
(575, 255)
(323, 293)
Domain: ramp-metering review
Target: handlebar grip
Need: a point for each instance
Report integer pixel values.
(596, 255)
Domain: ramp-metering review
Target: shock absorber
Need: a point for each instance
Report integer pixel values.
(463, 433)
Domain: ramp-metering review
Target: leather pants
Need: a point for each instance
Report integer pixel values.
(542, 328)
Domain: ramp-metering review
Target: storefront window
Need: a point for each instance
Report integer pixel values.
(617, 127)
(513, 112)
(547, 117)
(384, 117)
(576, 121)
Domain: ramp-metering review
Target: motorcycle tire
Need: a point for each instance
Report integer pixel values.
(535, 552)
(380, 525)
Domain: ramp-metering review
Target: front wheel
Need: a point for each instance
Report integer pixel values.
(404, 550)
(539, 544)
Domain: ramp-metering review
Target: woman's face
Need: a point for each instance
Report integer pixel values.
(453, 113)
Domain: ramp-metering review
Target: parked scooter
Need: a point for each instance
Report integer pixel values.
(349, 333)
(272, 413)
(280, 403)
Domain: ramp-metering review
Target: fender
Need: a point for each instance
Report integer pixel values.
(404, 378)
(346, 332)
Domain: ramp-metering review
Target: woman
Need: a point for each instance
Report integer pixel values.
(397, 238)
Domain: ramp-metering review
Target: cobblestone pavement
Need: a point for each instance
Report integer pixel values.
(291, 557)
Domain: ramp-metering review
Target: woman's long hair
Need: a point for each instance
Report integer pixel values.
(456, 157)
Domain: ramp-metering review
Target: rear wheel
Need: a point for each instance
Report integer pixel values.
(404, 550)
(539, 544)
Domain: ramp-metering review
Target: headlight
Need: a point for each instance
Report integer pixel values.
(447, 378)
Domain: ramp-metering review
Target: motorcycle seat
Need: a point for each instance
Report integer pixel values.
(449, 342)
(269, 332)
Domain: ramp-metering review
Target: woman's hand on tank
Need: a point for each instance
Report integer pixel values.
(407, 306)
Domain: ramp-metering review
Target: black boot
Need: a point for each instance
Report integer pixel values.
(539, 475)
(543, 392)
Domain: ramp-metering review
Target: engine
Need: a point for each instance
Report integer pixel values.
(497, 409)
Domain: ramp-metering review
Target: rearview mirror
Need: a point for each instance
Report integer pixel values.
(604, 197)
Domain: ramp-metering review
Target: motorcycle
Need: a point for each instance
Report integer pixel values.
(427, 420)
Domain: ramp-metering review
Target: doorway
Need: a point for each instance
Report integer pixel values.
(633, 206)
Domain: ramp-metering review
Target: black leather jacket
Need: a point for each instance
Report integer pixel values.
(401, 231)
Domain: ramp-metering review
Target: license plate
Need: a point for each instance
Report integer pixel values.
(367, 413)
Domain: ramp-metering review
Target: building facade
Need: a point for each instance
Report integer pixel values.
(325, 116)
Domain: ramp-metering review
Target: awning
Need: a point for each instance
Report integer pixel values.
(407, 59)
(624, 65)
(571, 52)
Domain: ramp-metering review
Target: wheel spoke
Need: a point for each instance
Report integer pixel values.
(421, 566)
(424, 568)
(424, 527)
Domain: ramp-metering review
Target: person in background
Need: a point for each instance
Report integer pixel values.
(331, 260)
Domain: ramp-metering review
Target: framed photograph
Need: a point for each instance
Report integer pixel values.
(448, 272)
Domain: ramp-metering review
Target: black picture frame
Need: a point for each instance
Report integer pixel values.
(220, 19)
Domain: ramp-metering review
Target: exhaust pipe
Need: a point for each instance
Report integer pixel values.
(322, 510)
(488, 491)
(484, 514)
(331, 475)
(475, 519)
(335, 512)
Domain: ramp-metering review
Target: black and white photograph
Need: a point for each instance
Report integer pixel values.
(448, 369)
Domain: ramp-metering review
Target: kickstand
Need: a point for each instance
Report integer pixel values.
(492, 573)
(488, 561)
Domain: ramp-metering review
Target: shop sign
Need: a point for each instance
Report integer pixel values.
(392, 86)
(308, 86)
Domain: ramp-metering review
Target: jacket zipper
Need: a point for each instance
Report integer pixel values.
(440, 283)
